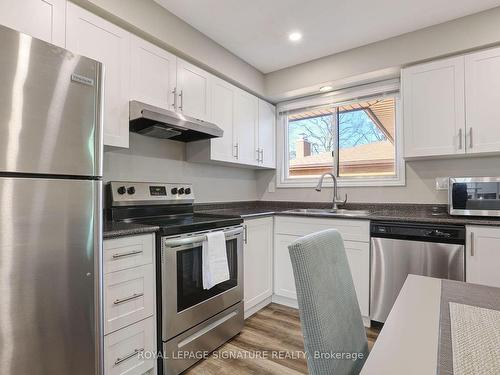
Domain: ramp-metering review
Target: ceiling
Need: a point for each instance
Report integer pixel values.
(257, 30)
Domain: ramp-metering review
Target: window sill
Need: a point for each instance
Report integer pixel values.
(313, 182)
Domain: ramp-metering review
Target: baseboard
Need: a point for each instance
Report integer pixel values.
(252, 310)
(290, 302)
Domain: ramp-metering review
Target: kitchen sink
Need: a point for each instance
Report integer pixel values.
(328, 212)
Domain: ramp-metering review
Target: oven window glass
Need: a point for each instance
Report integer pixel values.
(190, 278)
(476, 196)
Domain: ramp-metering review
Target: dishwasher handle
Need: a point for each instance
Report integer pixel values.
(452, 234)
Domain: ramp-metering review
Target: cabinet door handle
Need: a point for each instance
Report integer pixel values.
(181, 97)
(262, 155)
(127, 254)
(128, 356)
(258, 155)
(245, 234)
(174, 104)
(459, 139)
(472, 250)
(470, 138)
(126, 299)
(237, 150)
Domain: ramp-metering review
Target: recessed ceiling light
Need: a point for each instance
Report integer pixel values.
(295, 36)
(325, 88)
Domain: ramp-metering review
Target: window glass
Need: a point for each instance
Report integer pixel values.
(311, 141)
(354, 140)
(366, 139)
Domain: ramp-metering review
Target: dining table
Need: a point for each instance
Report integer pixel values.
(417, 335)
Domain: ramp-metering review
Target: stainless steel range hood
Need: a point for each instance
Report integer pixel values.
(157, 122)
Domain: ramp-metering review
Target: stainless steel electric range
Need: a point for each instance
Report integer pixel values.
(192, 321)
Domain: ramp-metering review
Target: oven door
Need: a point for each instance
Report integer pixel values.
(184, 301)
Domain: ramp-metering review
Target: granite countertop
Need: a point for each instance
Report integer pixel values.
(113, 229)
(416, 213)
(413, 213)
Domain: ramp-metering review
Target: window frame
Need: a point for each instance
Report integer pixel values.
(337, 99)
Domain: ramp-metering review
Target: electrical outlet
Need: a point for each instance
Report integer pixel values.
(442, 183)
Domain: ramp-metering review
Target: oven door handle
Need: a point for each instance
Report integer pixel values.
(174, 242)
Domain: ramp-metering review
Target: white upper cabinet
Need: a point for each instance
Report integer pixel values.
(222, 148)
(152, 74)
(92, 36)
(434, 108)
(267, 134)
(246, 115)
(482, 93)
(483, 255)
(42, 19)
(249, 126)
(193, 90)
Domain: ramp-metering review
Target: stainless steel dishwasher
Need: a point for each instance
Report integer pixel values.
(399, 249)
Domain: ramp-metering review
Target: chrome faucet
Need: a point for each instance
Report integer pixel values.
(336, 200)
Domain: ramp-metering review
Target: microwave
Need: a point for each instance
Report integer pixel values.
(474, 196)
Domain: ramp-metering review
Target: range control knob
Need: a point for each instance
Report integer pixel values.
(122, 190)
(181, 191)
(187, 191)
(131, 190)
(174, 191)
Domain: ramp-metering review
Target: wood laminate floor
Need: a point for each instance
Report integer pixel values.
(274, 334)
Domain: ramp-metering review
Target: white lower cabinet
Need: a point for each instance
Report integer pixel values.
(127, 351)
(356, 234)
(129, 305)
(128, 297)
(482, 262)
(258, 263)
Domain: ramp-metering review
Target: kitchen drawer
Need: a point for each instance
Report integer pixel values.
(128, 252)
(126, 350)
(129, 296)
(351, 230)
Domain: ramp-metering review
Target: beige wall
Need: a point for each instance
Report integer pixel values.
(151, 159)
(378, 60)
(420, 183)
(153, 22)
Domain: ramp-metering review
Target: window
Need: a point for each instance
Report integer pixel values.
(357, 139)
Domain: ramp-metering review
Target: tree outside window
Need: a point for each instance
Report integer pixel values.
(362, 134)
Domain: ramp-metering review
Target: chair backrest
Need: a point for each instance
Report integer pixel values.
(329, 311)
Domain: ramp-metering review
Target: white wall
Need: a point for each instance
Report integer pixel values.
(159, 160)
(420, 183)
(471, 32)
(153, 22)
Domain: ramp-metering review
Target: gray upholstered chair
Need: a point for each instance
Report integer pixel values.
(329, 311)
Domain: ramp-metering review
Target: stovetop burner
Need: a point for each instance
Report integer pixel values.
(185, 223)
(169, 206)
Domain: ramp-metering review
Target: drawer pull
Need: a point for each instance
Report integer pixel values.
(128, 356)
(122, 255)
(123, 300)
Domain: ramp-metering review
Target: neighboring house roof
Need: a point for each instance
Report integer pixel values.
(372, 153)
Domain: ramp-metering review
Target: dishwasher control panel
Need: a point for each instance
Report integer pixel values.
(419, 232)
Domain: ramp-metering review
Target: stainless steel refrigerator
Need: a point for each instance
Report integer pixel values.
(50, 209)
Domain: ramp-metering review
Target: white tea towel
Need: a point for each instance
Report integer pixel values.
(475, 340)
(214, 260)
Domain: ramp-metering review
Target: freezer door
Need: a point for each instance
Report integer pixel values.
(50, 277)
(50, 101)
(393, 260)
